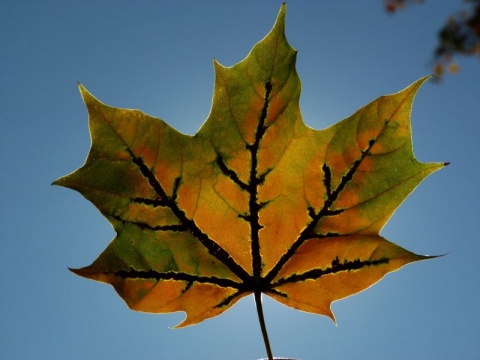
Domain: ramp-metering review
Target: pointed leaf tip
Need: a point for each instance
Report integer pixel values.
(83, 91)
(415, 86)
(60, 182)
(86, 95)
(280, 21)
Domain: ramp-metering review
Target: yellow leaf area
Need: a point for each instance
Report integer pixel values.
(256, 201)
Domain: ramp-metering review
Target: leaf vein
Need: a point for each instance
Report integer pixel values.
(335, 267)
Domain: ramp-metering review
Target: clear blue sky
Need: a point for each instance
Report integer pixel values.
(157, 56)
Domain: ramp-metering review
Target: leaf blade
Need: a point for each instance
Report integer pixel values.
(329, 269)
(256, 201)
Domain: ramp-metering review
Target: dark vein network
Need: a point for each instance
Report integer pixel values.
(189, 225)
(249, 283)
(332, 195)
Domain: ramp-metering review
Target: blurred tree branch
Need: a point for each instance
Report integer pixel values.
(460, 35)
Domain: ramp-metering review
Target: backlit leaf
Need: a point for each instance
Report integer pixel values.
(256, 201)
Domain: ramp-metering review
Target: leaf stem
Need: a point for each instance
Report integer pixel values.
(261, 319)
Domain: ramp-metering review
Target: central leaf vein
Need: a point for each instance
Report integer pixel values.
(254, 181)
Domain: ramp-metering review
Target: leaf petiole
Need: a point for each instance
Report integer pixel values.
(261, 319)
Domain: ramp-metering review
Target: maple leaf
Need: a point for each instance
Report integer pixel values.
(255, 202)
